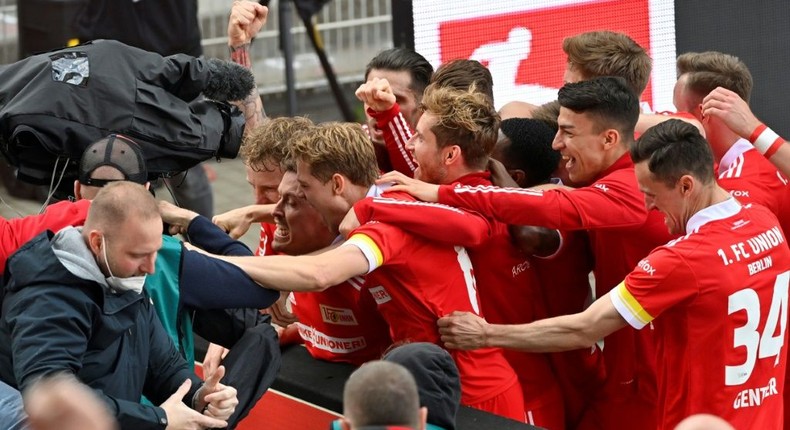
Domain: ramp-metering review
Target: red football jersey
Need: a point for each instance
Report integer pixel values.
(621, 232)
(414, 282)
(507, 284)
(565, 284)
(750, 178)
(719, 300)
(265, 242)
(396, 133)
(341, 323)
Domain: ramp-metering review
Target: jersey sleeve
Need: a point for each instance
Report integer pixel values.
(379, 243)
(15, 232)
(429, 220)
(607, 204)
(659, 281)
(396, 132)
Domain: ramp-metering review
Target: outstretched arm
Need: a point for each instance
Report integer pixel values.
(305, 272)
(246, 20)
(463, 330)
(730, 108)
(429, 220)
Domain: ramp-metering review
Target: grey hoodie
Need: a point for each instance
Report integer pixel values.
(72, 251)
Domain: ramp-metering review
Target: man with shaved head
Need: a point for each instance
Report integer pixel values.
(74, 303)
(381, 393)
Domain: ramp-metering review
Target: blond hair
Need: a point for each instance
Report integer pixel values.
(269, 142)
(708, 70)
(335, 147)
(606, 53)
(464, 118)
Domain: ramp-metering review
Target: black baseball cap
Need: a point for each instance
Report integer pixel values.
(115, 151)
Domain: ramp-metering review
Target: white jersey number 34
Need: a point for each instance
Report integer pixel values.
(758, 346)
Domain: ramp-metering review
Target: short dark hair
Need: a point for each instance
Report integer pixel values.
(609, 99)
(672, 149)
(460, 74)
(404, 60)
(530, 149)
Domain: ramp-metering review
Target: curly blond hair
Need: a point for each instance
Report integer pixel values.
(268, 144)
(464, 118)
(335, 147)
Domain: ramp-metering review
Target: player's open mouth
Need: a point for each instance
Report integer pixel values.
(281, 233)
(571, 161)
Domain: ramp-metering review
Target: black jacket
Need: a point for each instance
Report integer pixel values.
(54, 321)
(162, 26)
(53, 105)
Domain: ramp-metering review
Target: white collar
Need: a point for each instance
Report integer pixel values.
(377, 190)
(715, 212)
(735, 151)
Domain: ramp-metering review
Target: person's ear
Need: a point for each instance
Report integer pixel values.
(686, 183)
(95, 239)
(611, 138)
(77, 190)
(344, 424)
(519, 176)
(338, 184)
(452, 154)
(423, 418)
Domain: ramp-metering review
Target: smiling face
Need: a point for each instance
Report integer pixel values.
(581, 145)
(667, 200)
(426, 152)
(400, 82)
(300, 229)
(321, 196)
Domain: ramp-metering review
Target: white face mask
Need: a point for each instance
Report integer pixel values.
(132, 283)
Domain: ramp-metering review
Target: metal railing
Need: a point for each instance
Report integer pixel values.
(353, 31)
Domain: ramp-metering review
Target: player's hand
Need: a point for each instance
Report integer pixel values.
(462, 330)
(500, 177)
(246, 20)
(178, 218)
(182, 417)
(213, 359)
(419, 189)
(376, 94)
(235, 222)
(349, 223)
(214, 399)
(731, 109)
(279, 311)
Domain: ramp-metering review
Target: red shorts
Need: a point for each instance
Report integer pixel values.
(508, 404)
(549, 415)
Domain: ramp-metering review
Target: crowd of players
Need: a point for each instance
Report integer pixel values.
(445, 221)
